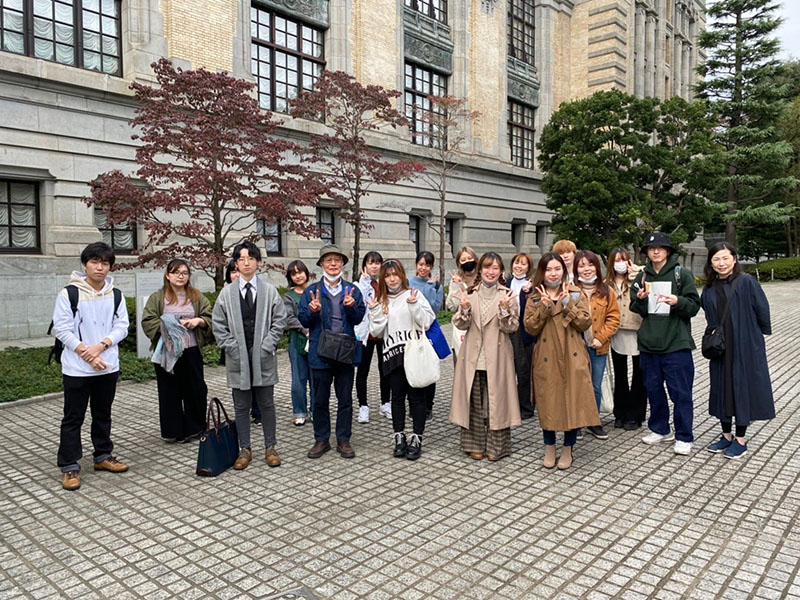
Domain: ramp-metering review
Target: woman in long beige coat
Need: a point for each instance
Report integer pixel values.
(485, 402)
(558, 313)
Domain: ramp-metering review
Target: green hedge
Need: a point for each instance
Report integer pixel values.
(785, 269)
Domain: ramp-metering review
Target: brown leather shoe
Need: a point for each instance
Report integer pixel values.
(71, 480)
(111, 464)
(273, 460)
(476, 455)
(245, 456)
(345, 449)
(318, 449)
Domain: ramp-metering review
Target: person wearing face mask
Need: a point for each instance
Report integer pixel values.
(368, 284)
(740, 382)
(400, 313)
(557, 314)
(630, 402)
(484, 400)
(330, 310)
(605, 321)
(462, 278)
(520, 283)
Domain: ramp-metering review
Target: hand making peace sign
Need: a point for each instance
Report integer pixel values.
(506, 299)
(315, 305)
(348, 299)
(412, 297)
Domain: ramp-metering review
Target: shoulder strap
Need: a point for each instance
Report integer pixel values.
(678, 277)
(727, 310)
(117, 300)
(72, 294)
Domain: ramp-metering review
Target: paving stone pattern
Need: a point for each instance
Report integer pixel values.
(627, 521)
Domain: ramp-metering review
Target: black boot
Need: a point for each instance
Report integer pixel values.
(400, 445)
(414, 447)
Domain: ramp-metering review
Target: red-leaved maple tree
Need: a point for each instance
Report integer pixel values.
(348, 165)
(209, 169)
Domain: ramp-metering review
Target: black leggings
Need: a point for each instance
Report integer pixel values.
(416, 402)
(363, 372)
(741, 430)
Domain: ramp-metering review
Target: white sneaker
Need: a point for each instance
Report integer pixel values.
(683, 448)
(657, 438)
(386, 409)
(363, 414)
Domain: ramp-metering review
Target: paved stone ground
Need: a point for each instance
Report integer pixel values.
(627, 521)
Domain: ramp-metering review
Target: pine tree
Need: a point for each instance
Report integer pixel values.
(739, 84)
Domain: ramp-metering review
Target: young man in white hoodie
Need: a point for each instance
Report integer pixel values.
(90, 361)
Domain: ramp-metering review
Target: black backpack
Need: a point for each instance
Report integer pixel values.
(72, 292)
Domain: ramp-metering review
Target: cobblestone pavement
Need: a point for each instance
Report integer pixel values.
(627, 521)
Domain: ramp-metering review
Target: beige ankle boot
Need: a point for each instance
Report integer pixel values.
(565, 460)
(549, 456)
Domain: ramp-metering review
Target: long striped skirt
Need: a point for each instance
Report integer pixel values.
(496, 443)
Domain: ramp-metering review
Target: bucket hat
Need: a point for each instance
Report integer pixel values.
(657, 238)
(331, 249)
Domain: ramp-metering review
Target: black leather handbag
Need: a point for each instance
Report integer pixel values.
(219, 444)
(336, 347)
(713, 344)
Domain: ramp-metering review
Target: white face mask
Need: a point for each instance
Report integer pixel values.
(393, 290)
(621, 267)
(588, 280)
(519, 275)
(331, 278)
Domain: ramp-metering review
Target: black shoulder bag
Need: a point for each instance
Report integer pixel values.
(713, 344)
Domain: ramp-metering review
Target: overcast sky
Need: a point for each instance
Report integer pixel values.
(789, 32)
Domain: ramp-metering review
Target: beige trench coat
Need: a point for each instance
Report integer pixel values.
(561, 371)
(500, 374)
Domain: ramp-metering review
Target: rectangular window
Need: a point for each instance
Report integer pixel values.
(413, 232)
(521, 134)
(81, 33)
(19, 217)
(286, 57)
(521, 30)
(271, 232)
(450, 232)
(541, 235)
(122, 238)
(326, 225)
(435, 9)
(517, 234)
(419, 84)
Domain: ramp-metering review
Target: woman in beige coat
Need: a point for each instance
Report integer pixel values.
(485, 402)
(558, 313)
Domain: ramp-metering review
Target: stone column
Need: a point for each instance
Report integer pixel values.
(660, 41)
(544, 45)
(686, 79)
(640, 64)
(649, 78)
(338, 55)
(677, 55)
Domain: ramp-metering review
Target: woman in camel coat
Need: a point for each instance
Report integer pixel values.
(558, 313)
(484, 385)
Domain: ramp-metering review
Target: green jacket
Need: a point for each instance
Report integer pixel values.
(660, 334)
(154, 308)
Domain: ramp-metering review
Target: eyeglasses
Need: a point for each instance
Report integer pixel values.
(245, 259)
(180, 273)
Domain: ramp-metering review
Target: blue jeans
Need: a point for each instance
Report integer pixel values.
(570, 437)
(598, 362)
(301, 379)
(676, 369)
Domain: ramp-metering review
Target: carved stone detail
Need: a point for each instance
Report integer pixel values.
(428, 53)
(313, 11)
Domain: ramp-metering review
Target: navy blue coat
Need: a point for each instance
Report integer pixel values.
(315, 322)
(527, 338)
(752, 388)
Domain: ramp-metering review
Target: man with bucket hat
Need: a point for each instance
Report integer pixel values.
(665, 296)
(330, 309)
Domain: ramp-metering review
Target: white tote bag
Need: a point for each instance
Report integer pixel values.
(421, 362)
(607, 397)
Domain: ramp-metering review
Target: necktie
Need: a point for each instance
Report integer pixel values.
(248, 295)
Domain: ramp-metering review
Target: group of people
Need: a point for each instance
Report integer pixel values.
(531, 341)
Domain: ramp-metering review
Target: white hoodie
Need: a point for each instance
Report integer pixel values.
(405, 321)
(93, 322)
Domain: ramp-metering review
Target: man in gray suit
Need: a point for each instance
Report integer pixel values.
(248, 322)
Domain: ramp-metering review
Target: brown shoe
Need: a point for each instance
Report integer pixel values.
(71, 480)
(476, 455)
(318, 449)
(111, 464)
(245, 456)
(273, 460)
(565, 460)
(345, 449)
(549, 456)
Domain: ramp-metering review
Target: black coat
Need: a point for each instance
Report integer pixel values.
(752, 388)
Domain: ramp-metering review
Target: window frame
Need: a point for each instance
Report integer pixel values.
(321, 225)
(272, 47)
(415, 228)
(30, 36)
(112, 229)
(522, 31)
(262, 230)
(413, 95)
(521, 135)
(6, 205)
(433, 9)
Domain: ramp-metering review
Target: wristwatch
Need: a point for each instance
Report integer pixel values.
(105, 346)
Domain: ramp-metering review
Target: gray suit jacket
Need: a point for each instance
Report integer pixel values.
(229, 332)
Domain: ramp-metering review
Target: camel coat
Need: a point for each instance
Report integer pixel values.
(500, 375)
(605, 319)
(561, 371)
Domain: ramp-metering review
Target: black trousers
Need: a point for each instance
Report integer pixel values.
(341, 377)
(416, 402)
(79, 393)
(630, 402)
(182, 396)
(363, 372)
(430, 394)
(523, 360)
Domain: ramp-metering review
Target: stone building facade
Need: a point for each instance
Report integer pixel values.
(65, 104)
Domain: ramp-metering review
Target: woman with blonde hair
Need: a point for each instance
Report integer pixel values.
(462, 278)
(484, 401)
(179, 308)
